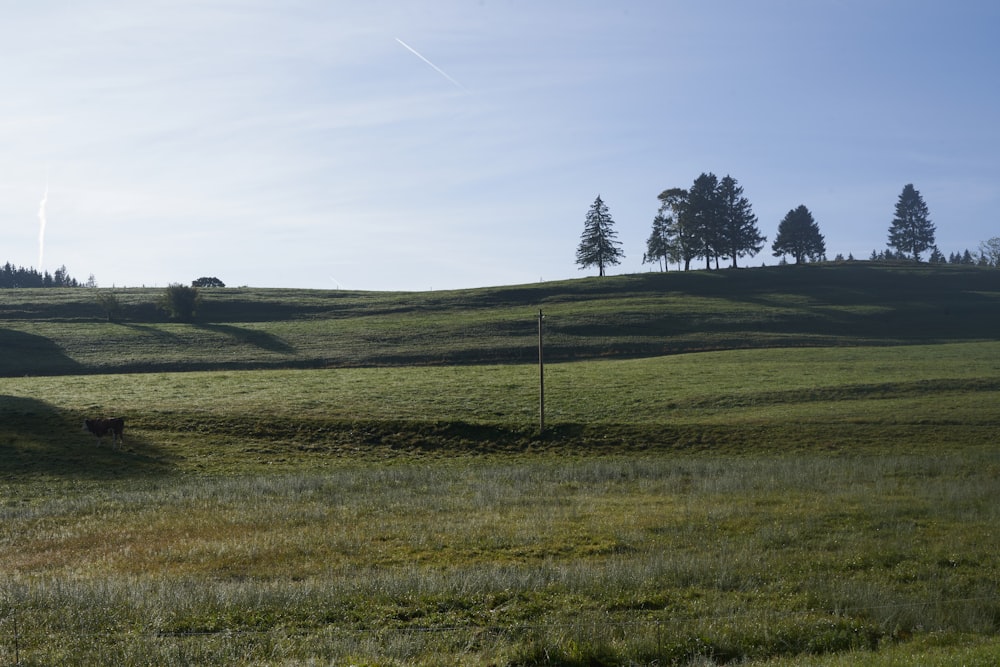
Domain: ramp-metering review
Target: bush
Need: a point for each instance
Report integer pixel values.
(181, 302)
(109, 303)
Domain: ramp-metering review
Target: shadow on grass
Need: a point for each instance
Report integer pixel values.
(153, 331)
(37, 439)
(33, 355)
(258, 339)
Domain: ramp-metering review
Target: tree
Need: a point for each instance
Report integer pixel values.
(798, 236)
(701, 218)
(180, 302)
(990, 250)
(109, 303)
(207, 282)
(738, 225)
(659, 246)
(15, 277)
(673, 203)
(712, 219)
(937, 257)
(911, 231)
(599, 245)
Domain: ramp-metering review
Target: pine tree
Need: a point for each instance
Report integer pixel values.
(599, 245)
(739, 233)
(911, 231)
(702, 218)
(798, 236)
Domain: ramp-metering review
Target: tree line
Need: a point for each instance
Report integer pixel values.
(713, 221)
(13, 277)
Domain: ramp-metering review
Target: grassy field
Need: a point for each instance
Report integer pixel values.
(66, 332)
(773, 506)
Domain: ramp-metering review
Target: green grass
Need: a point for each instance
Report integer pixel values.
(733, 505)
(853, 400)
(332, 480)
(65, 332)
(605, 560)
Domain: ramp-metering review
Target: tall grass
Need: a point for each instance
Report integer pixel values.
(605, 560)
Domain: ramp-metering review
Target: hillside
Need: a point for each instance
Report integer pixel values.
(64, 331)
(732, 505)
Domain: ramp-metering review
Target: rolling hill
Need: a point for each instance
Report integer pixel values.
(65, 331)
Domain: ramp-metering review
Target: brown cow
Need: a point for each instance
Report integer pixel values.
(101, 427)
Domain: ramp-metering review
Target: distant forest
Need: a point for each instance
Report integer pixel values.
(11, 276)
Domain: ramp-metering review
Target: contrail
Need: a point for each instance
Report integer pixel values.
(41, 225)
(436, 68)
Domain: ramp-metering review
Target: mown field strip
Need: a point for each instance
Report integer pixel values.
(740, 383)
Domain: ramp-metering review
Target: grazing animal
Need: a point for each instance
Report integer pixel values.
(101, 427)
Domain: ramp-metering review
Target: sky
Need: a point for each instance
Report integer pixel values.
(407, 145)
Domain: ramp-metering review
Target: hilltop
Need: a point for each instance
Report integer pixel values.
(65, 331)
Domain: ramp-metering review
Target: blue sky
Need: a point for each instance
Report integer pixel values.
(384, 145)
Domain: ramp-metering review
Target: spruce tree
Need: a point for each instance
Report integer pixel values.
(911, 232)
(798, 236)
(738, 225)
(599, 245)
(702, 218)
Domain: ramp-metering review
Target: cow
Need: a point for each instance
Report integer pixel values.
(101, 427)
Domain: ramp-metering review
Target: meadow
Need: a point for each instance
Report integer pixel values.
(66, 332)
(817, 505)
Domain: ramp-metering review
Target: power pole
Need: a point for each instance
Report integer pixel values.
(541, 377)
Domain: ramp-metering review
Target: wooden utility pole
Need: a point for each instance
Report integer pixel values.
(541, 377)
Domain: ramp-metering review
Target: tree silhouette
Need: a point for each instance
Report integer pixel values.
(911, 231)
(599, 245)
(798, 236)
(738, 224)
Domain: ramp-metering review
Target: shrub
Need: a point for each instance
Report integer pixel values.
(181, 302)
(110, 304)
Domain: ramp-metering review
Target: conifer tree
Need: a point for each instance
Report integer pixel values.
(599, 245)
(798, 236)
(911, 231)
(702, 217)
(739, 235)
